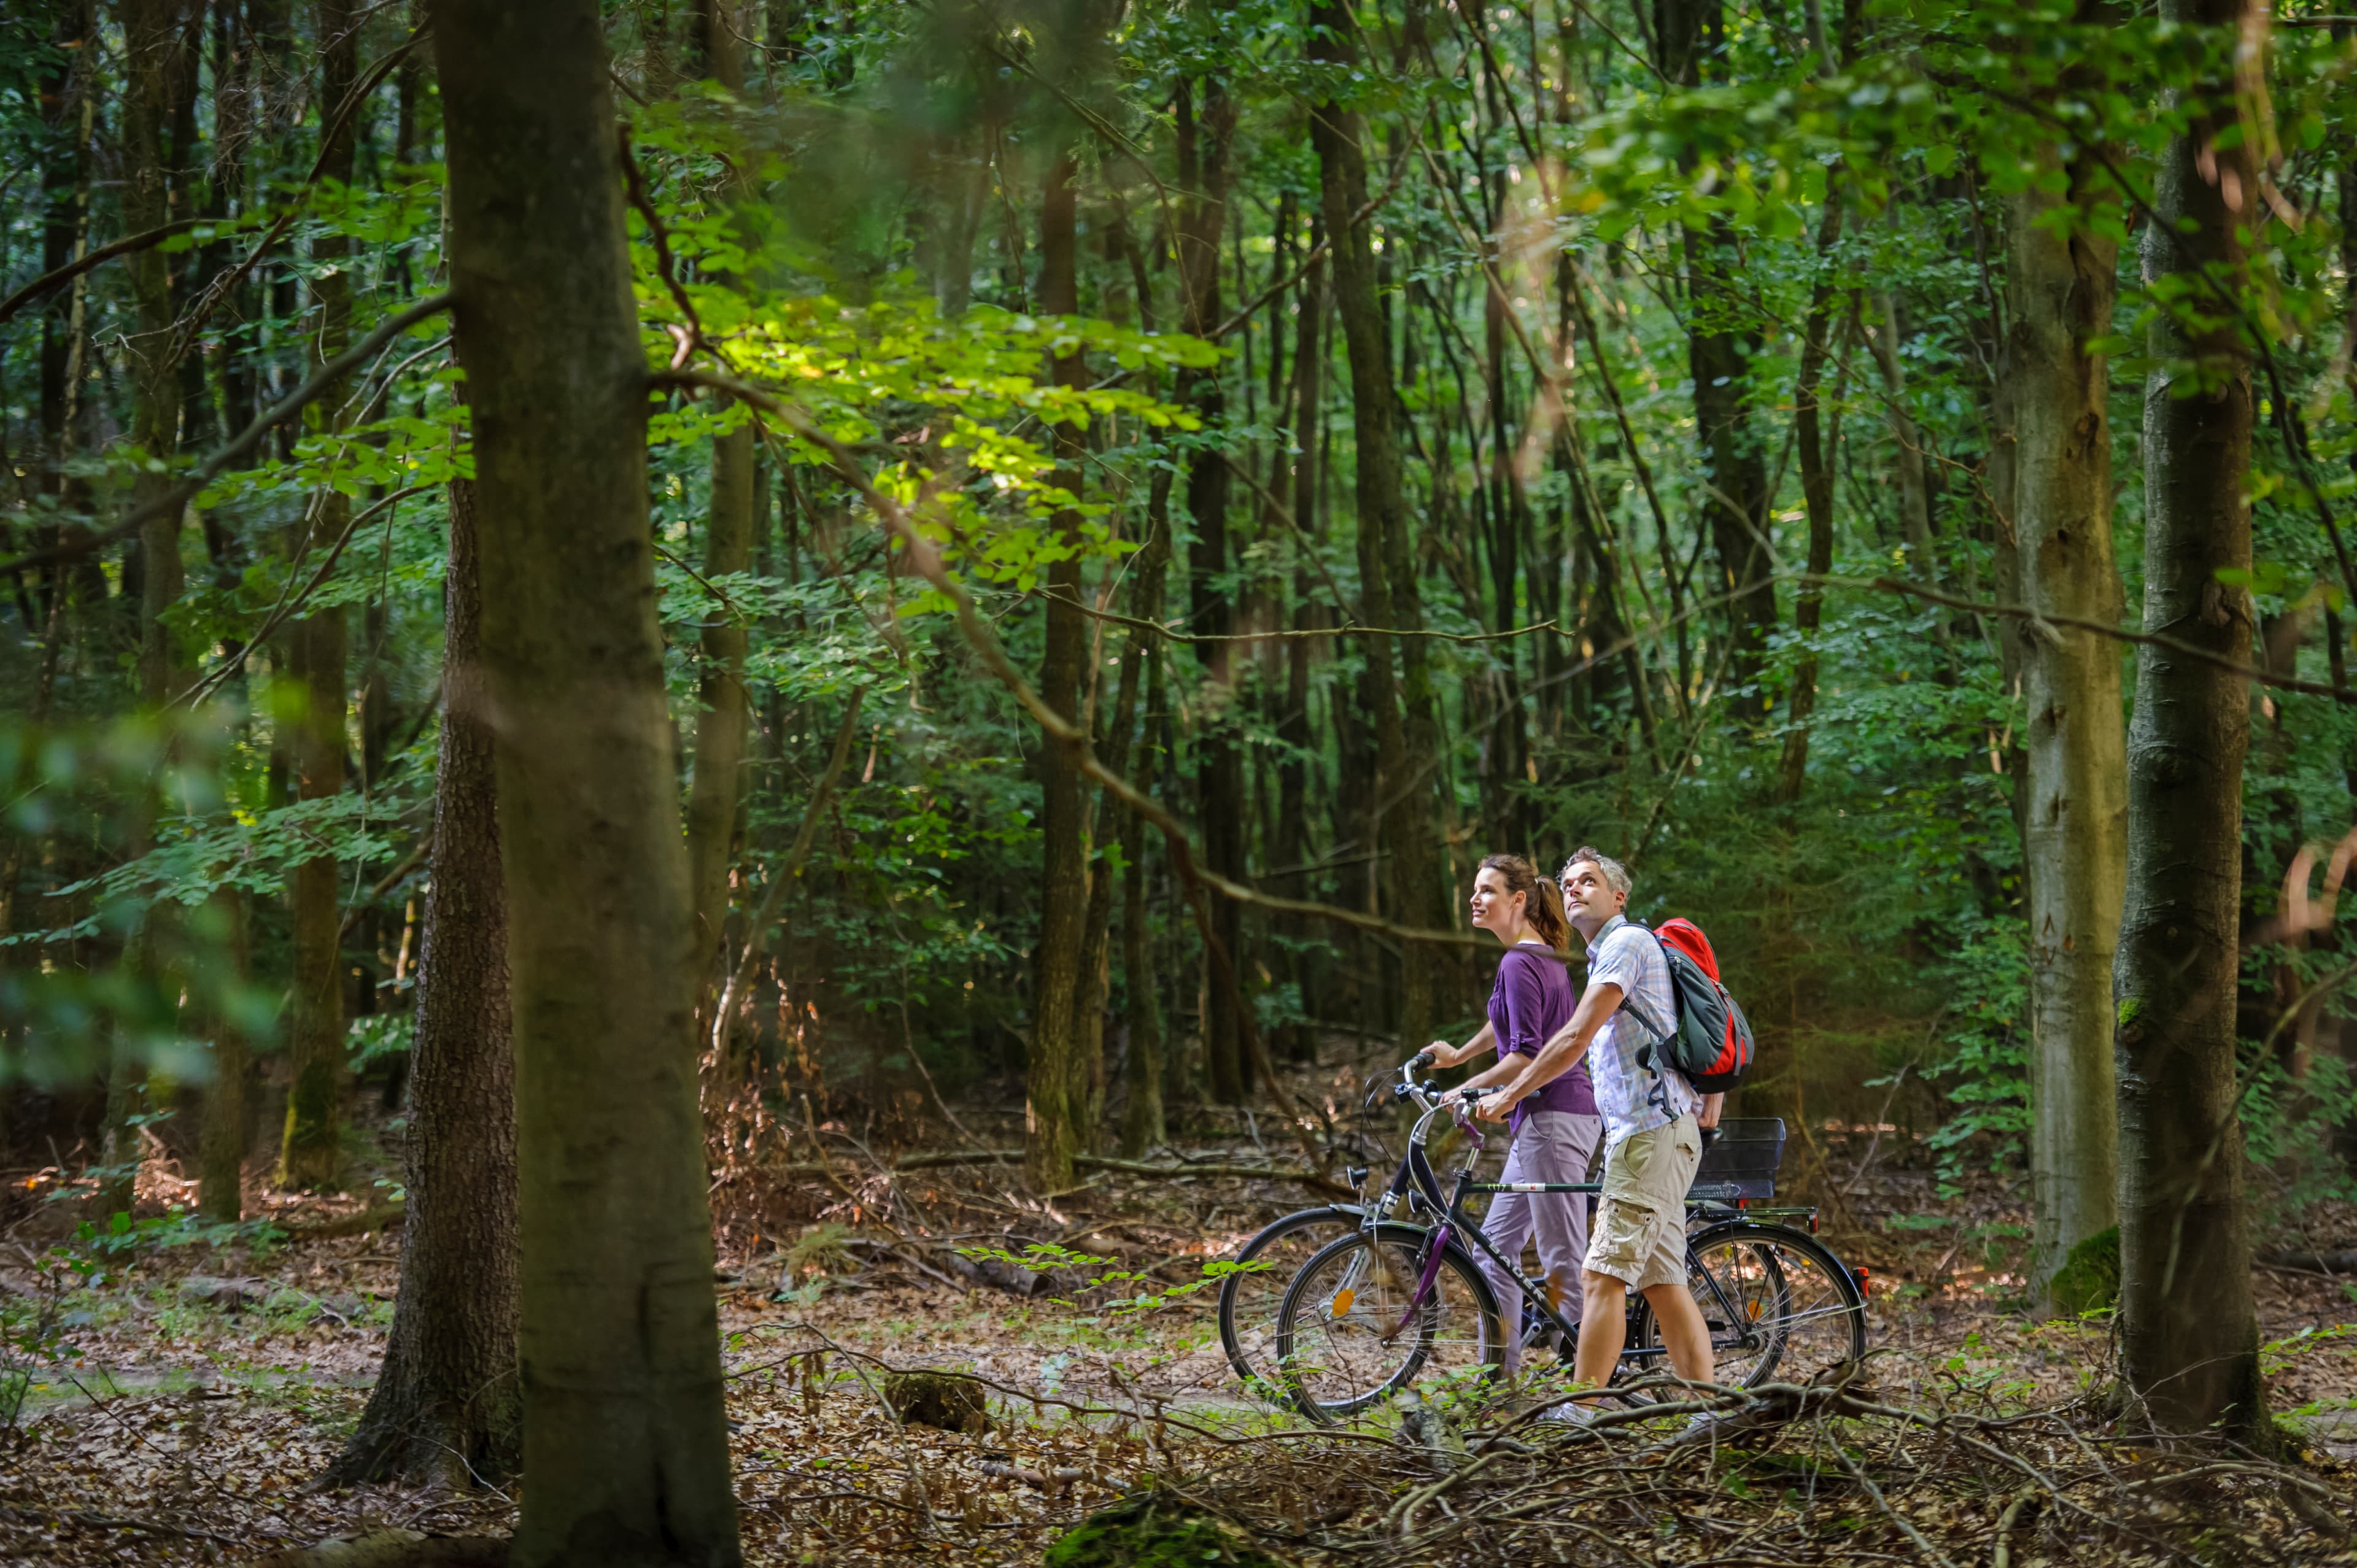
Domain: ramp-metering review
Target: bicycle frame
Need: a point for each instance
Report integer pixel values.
(1417, 1184)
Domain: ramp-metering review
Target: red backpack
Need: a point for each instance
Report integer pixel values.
(1711, 1043)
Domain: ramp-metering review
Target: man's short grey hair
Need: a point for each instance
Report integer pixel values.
(1616, 875)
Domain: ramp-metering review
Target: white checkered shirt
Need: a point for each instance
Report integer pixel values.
(1631, 1097)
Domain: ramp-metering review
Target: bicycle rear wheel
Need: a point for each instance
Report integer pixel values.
(1251, 1297)
(1778, 1304)
(1352, 1332)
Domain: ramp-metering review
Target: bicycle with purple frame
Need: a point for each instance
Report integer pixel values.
(1401, 1303)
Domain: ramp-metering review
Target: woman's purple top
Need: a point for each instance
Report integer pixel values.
(1532, 1000)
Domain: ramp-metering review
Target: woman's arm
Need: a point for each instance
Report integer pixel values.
(1556, 1056)
(1502, 1071)
(1443, 1054)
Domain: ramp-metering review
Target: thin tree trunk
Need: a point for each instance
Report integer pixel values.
(1719, 346)
(624, 1436)
(723, 715)
(1142, 1125)
(1204, 144)
(1816, 499)
(1052, 1130)
(310, 1151)
(220, 1180)
(1914, 486)
(1404, 733)
(446, 1405)
(2075, 823)
(2188, 1339)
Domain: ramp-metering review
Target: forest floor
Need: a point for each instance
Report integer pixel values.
(191, 1393)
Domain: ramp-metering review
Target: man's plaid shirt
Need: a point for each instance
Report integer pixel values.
(1631, 1098)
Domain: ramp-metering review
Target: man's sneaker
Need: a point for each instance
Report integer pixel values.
(1571, 1412)
(1702, 1421)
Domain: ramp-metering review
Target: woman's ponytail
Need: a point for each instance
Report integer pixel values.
(1546, 918)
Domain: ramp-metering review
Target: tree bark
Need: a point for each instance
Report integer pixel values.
(220, 1179)
(1692, 33)
(2075, 823)
(619, 1341)
(2189, 1337)
(1817, 458)
(1914, 486)
(310, 1151)
(1142, 1126)
(1204, 144)
(1401, 707)
(723, 715)
(445, 1404)
(1053, 1098)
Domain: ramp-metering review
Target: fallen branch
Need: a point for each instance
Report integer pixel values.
(935, 1161)
(383, 1216)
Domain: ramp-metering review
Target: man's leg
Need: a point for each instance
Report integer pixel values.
(1603, 1328)
(1684, 1335)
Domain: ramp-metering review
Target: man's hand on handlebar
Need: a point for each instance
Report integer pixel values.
(1497, 1104)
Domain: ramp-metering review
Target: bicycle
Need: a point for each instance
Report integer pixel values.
(1400, 1303)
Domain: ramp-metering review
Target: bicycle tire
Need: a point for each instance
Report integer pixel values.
(1775, 1301)
(1247, 1331)
(1339, 1350)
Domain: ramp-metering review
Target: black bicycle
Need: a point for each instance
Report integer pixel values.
(1400, 1303)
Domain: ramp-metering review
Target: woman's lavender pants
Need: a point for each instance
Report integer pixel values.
(1549, 1147)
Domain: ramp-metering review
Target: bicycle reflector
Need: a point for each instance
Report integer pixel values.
(1865, 1283)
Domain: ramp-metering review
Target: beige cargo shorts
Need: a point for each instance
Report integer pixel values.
(1640, 1237)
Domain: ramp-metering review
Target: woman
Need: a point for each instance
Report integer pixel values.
(1556, 1129)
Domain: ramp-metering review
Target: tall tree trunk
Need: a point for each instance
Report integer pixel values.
(310, 1151)
(1914, 486)
(1404, 731)
(619, 1341)
(1052, 1130)
(1142, 1125)
(1693, 36)
(1293, 730)
(1816, 499)
(723, 715)
(1204, 144)
(2075, 823)
(445, 1404)
(2189, 1341)
(220, 1180)
(151, 47)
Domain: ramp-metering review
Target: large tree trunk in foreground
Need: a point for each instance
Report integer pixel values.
(624, 1438)
(1051, 1109)
(310, 1150)
(2075, 823)
(445, 1403)
(2189, 1340)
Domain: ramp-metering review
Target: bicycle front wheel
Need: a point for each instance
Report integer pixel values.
(1779, 1306)
(1251, 1296)
(1360, 1324)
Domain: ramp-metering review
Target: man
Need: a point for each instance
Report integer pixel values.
(1652, 1120)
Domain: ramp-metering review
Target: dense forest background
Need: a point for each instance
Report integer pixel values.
(1391, 435)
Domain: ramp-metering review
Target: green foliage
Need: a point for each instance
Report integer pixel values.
(1153, 1530)
(124, 1239)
